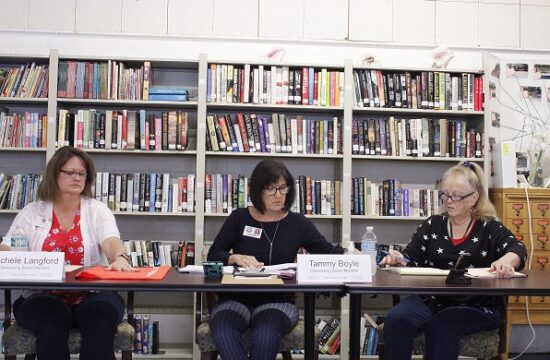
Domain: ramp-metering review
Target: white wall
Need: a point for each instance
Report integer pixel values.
(397, 32)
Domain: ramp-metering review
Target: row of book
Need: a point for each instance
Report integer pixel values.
(418, 90)
(28, 130)
(277, 133)
(103, 80)
(226, 192)
(391, 198)
(18, 190)
(416, 137)
(259, 84)
(145, 253)
(145, 192)
(147, 339)
(330, 337)
(26, 81)
(123, 130)
(369, 334)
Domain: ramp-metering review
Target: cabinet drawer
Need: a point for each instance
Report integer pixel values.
(516, 300)
(540, 209)
(518, 225)
(541, 226)
(540, 262)
(540, 241)
(516, 209)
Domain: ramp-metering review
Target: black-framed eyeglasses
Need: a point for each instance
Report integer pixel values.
(272, 190)
(73, 174)
(444, 196)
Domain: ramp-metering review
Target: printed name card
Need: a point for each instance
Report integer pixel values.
(31, 266)
(333, 269)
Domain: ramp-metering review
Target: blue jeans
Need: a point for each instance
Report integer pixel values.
(268, 323)
(49, 318)
(443, 329)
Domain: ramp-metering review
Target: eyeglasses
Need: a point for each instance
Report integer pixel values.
(272, 190)
(444, 196)
(73, 174)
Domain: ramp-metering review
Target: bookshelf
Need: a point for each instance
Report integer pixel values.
(197, 158)
(25, 105)
(418, 171)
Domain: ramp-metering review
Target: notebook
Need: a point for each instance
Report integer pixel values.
(427, 271)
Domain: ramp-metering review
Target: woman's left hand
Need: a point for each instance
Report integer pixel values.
(502, 268)
(120, 264)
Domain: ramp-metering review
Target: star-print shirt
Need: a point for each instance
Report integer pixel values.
(488, 240)
(69, 242)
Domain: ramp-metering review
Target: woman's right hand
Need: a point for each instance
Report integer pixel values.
(394, 258)
(244, 261)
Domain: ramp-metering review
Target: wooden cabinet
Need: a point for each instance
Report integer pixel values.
(528, 217)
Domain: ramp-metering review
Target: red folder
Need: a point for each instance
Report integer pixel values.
(101, 273)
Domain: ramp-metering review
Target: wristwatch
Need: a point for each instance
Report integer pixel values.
(124, 256)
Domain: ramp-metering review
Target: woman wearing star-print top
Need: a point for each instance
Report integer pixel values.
(469, 227)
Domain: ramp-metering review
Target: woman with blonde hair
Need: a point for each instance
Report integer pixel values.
(468, 229)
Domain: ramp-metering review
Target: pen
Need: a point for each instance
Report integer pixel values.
(399, 258)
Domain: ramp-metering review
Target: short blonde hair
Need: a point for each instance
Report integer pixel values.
(473, 175)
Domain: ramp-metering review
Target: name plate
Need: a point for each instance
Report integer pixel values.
(31, 266)
(333, 269)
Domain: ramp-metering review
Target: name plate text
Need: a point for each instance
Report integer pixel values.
(333, 269)
(31, 266)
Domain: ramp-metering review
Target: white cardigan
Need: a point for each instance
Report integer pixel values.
(97, 223)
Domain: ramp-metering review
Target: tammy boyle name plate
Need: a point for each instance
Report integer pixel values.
(333, 269)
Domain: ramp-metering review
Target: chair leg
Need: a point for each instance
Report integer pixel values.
(30, 357)
(113, 356)
(126, 354)
(287, 355)
(10, 357)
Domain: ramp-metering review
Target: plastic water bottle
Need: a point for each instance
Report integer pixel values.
(368, 247)
(19, 240)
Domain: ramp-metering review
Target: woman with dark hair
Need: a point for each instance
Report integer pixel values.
(266, 233)
(468, 229)
(65, 218)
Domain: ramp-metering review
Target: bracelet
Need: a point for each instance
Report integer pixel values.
(124, 256)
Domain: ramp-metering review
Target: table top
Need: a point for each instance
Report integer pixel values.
(386, 282)
(174, 281)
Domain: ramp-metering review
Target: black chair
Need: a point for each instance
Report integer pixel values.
(18, 341)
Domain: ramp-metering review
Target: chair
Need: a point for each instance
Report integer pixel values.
(18, 340)
(481, 345)
(294, 339)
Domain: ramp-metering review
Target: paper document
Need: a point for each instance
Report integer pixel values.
(427, 271)
(484, 273)
(197, 269)
(418, 271)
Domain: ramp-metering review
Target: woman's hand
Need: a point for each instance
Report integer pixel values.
(244, 261)
(506, 265)
(120, 264)
(394, 258)
(4, 247)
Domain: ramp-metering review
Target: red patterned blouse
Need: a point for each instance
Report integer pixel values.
(69, 242)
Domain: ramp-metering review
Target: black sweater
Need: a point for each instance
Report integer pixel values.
(292, 233)
(489, 240)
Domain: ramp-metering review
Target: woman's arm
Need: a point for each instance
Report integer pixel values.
(113, 248)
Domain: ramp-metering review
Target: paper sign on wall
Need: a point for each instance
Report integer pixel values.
(333, 269)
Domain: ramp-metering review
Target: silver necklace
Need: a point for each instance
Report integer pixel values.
(270, 240)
